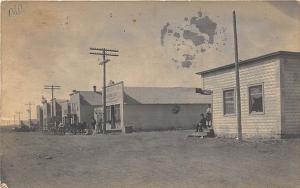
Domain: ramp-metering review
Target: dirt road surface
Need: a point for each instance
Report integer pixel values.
(147, 160)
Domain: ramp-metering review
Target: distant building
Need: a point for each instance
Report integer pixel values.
(82, 105)
(153, 108)
(98, 114)
(57, 109)
(66, 112)
(46, 114)
(33, 122)
(270, 96)
(39, 116)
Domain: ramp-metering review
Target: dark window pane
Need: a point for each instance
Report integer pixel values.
(255, 99)
(229, 103)
(117, 112)
(108, 113)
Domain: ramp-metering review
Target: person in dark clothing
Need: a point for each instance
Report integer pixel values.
(201, 124)
(93, 123)
(99, 126)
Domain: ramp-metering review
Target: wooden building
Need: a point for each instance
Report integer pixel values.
(66, 112)
(270, 96)
(46, 111)
(153, 108)
(39, 116)
(82, 104)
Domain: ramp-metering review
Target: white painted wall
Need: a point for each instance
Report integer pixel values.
(75, 104)
(267, 124)
(46, 115)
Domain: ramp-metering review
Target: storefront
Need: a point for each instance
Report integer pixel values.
(152, 108)
(114, 104)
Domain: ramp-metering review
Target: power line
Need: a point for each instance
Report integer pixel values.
(52, 88)
(104, 52)
(29, 112)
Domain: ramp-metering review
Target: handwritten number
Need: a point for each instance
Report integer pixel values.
(16, 10)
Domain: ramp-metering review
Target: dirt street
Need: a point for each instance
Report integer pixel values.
(147, 160)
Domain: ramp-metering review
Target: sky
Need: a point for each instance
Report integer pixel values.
(161, 44)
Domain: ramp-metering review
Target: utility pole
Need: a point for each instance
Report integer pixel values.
(104, 52)
(19, 113)
(52, 87)
(237, 80)
(29, 112)
(14, 119)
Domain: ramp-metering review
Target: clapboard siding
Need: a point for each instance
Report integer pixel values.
(291, 93)
(267, 124)
(147, 117)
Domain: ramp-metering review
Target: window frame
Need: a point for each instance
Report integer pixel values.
(263, 99)
(108, 114)
(234, 101)
(117, 112)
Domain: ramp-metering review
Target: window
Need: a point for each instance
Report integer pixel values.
(108, 113)
(69, 109)
(256, 99)
(117, 113)
(229, 101)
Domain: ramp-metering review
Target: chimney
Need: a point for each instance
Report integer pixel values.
(94, 88)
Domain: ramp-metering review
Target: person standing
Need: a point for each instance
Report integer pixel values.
(201, 124)
(99, 125)
(208, 117)
(93, 125)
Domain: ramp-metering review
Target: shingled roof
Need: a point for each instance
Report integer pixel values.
(164, 95)
(89, 97)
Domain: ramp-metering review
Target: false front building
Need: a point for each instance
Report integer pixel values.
(50, 113)
(39, 116)
(152, 108)
(82, 105)
(270, 96)
(66, 112)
